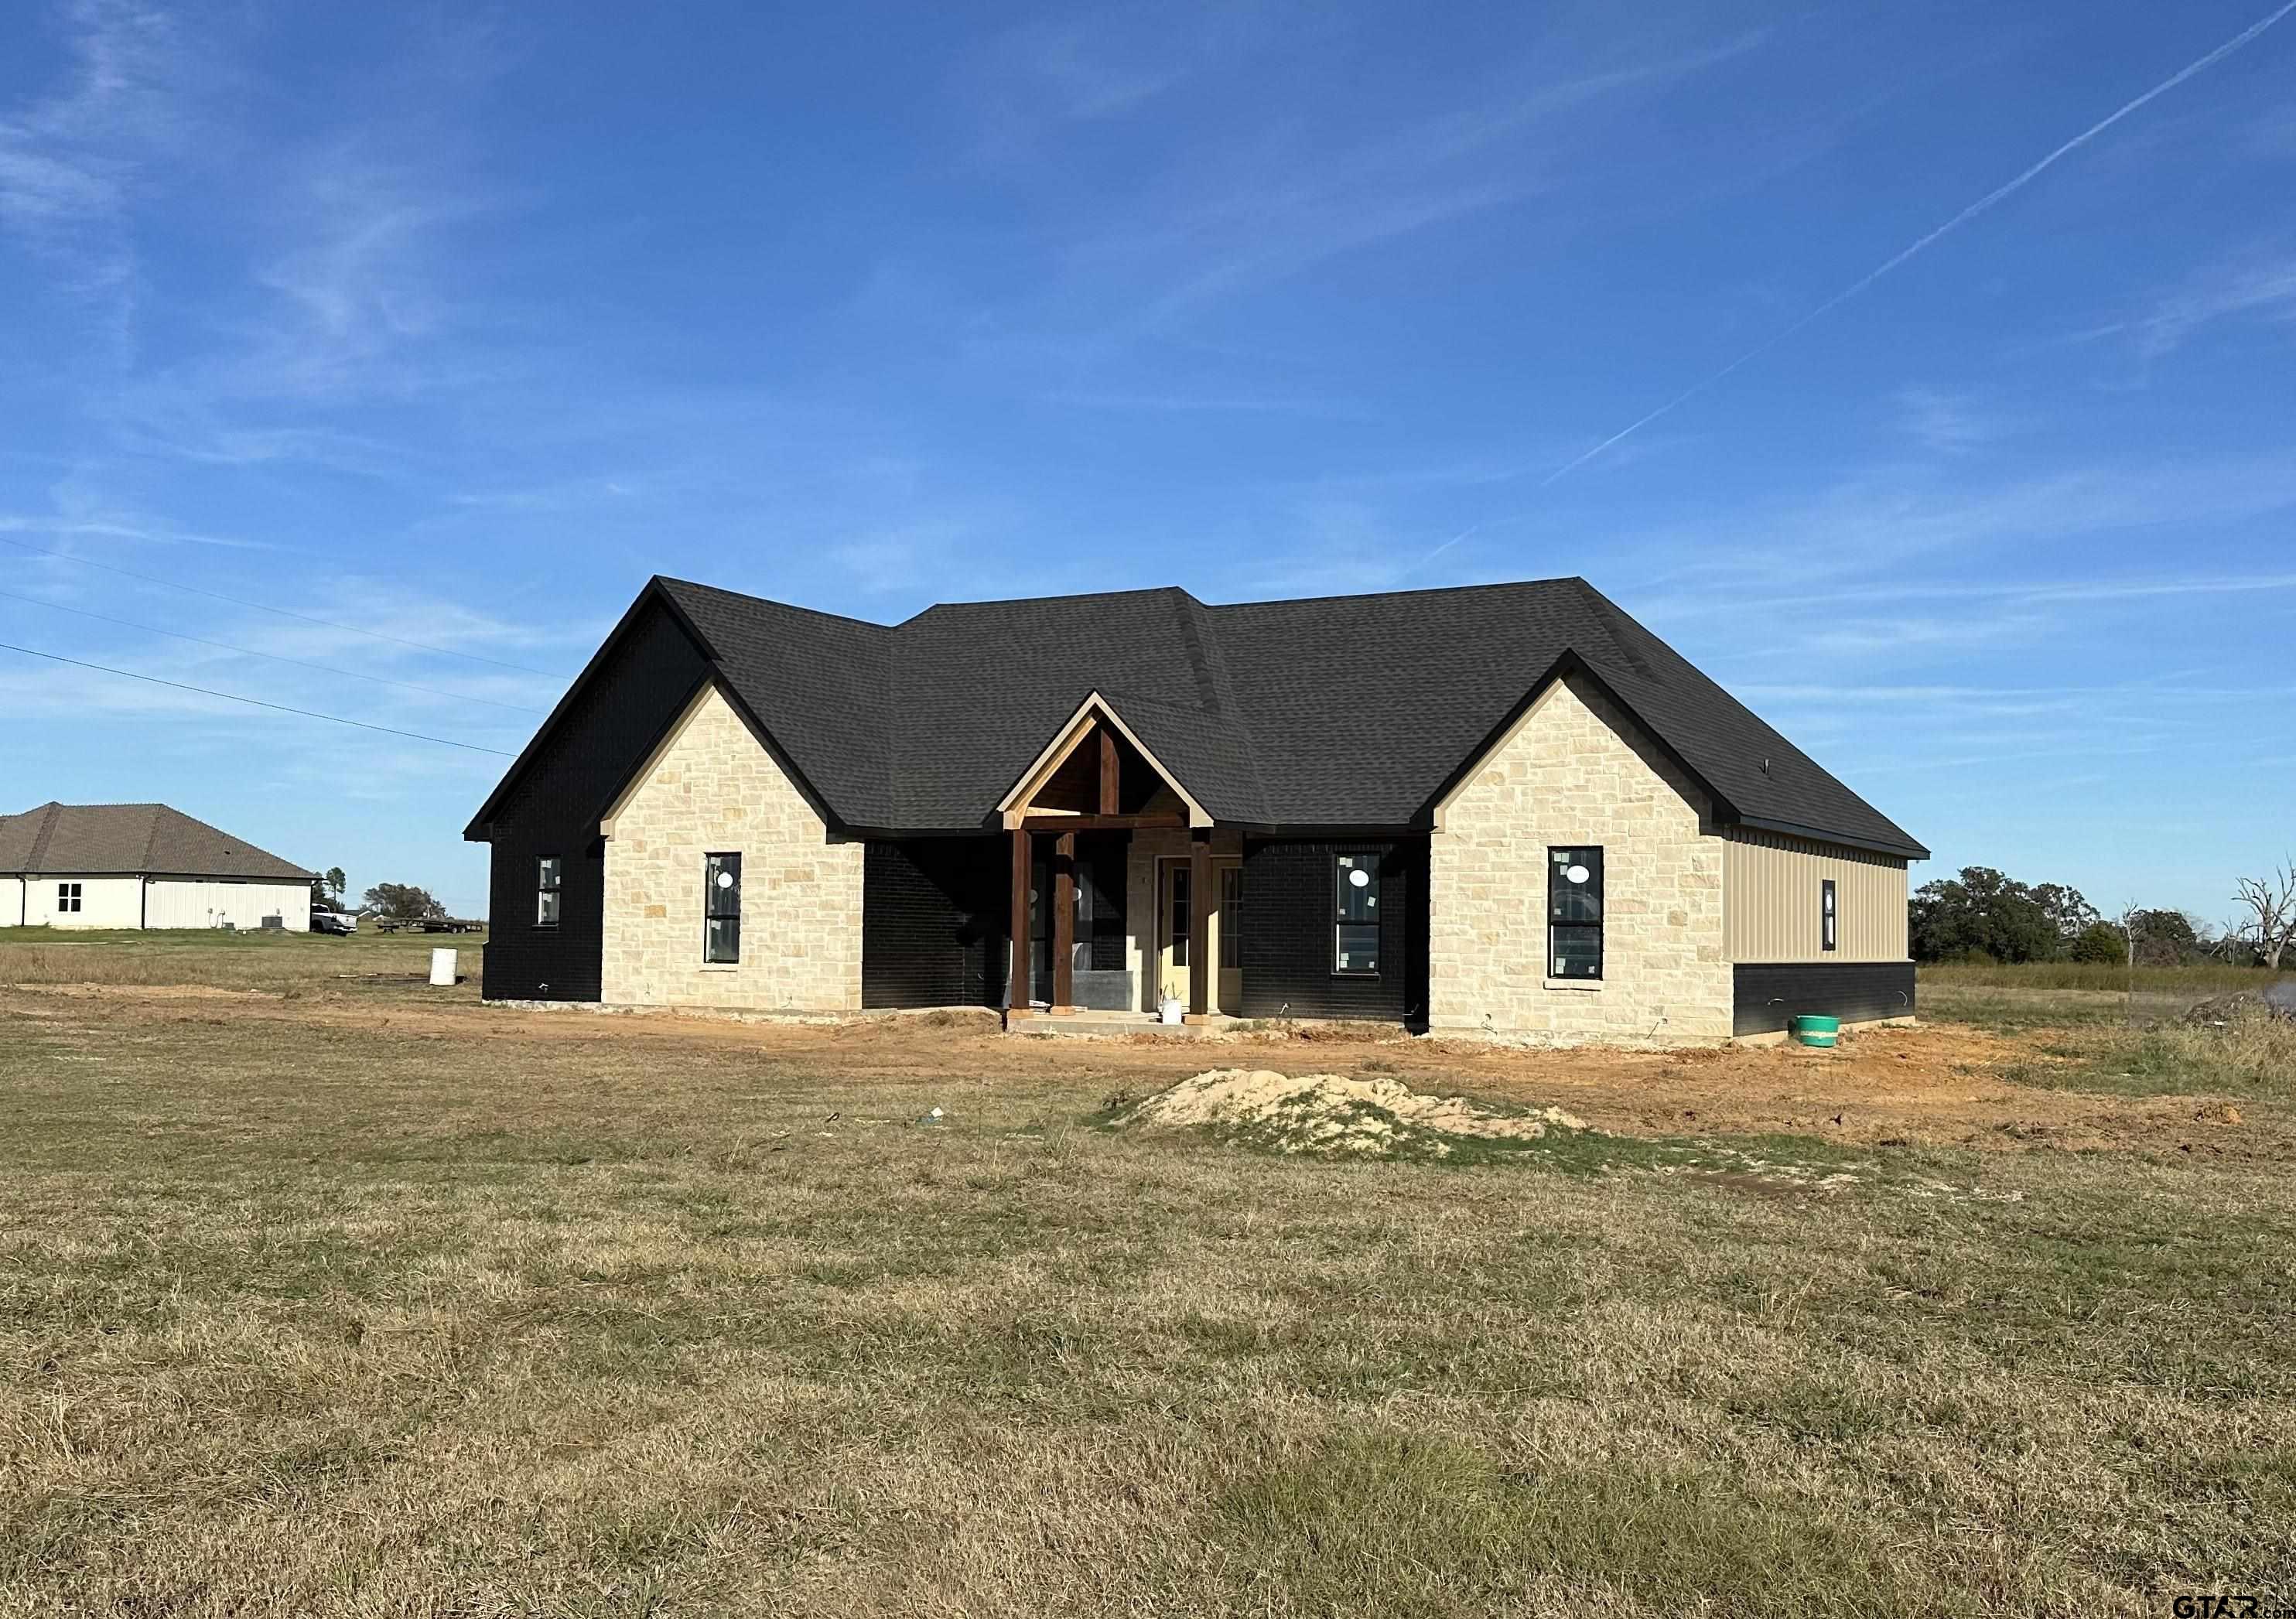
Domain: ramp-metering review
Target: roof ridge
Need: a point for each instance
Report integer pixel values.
(1238, 714)
(885, 720)
(1081, 595)
(1387, 595)
(1193, 650)
(791, 606)
(1613, 619)
(32, 861)
(1181, 590)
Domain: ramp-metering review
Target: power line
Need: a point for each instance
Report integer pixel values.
(150, 629)
(264, 607)
(308, 714)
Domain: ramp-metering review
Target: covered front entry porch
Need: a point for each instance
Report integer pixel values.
(1119, 918)
(1123, 893)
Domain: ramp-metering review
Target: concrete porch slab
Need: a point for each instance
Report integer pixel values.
(1089, 1023)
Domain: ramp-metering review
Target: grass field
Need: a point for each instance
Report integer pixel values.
(2097, 978)
(341, 1296)
(2042, 994)
(253, 959)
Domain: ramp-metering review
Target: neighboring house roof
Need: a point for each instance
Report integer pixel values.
(1333, 711)
(132, 839)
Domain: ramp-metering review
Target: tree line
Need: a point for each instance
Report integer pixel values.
(395, 902)
(1982, 914)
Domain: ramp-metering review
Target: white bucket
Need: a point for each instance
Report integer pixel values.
(1170, 1009)
(442, 966)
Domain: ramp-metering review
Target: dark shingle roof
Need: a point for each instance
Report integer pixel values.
(1332, 711)
(132, 839)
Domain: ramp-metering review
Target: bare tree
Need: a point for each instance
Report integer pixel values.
(2268, 912)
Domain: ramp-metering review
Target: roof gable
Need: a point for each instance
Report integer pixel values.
(814, 684)
(1094, 711)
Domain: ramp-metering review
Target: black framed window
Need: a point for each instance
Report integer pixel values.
(1574, 913)
(1826, 917)
(1355, 905)
(721, 908)
(549, 874)
(1184, 920)
(1231, 918)
(68, 896)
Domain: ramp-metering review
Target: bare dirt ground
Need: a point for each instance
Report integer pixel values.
(1937, 1083)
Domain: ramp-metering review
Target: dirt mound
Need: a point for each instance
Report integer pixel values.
(1332, 1114)
(2248, 1005)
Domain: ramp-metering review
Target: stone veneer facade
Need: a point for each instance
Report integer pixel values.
(1572, 774)
(713, 788)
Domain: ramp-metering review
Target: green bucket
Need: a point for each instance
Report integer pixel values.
(1815, 1031)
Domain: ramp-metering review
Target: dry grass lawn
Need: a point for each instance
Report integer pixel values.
(325, 1296)
(284, 963)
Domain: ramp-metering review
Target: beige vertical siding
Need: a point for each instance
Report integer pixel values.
(1770, 900)
(186, 902)
(104, 901)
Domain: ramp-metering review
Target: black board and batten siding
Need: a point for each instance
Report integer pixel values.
(1288, 942)
(554, 807)
(1101, 863)
(936, 921)
(934, 916)
(1766, 993)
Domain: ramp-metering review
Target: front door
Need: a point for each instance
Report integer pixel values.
(1183, 926)
(1227, 934)
(1175, 928)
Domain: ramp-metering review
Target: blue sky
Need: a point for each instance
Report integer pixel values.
(455, 331)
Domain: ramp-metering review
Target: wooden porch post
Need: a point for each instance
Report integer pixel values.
(1019, 1004)
(1111, 772)
(1064, 922)
(1200, 932)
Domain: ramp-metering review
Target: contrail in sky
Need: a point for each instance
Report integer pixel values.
(1954, 224)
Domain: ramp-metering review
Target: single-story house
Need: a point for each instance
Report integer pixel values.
(1507, 809)
(141, 865)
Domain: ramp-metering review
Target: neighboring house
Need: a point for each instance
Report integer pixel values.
(140, 865)
(1508, 809)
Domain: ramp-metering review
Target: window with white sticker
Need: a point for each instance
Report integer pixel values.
(1355, 934)
(1574, 913)
(721, 908)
